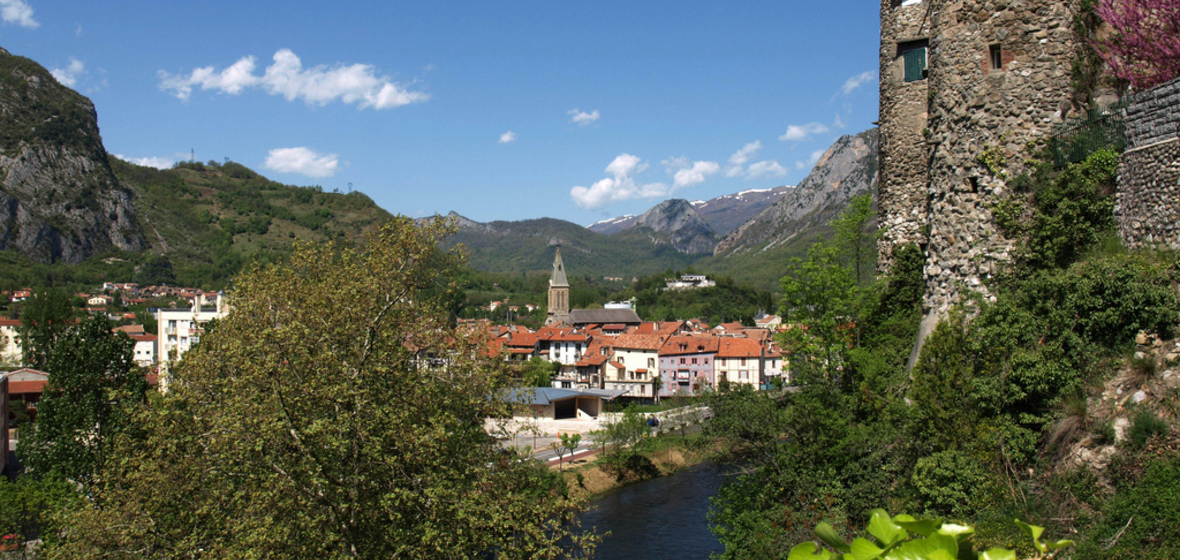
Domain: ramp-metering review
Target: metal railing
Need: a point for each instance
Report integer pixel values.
(1101, 127)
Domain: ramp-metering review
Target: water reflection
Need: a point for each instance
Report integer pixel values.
(661, 518)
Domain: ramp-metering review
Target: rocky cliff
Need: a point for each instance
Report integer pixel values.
(847, 168)
(724, 213)
(59, 199)
(679, 224)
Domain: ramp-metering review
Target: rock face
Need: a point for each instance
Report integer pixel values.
(847, 169)
(729, 212)
(59, 200)
(685, 229)
(724, 213)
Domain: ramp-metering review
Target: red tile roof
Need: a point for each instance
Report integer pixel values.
(678, 345)
(639, 342)
(739, 348)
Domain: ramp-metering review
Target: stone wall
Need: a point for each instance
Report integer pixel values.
(1153, 116)
(974, 110)
(1147, 208)
(902, 157)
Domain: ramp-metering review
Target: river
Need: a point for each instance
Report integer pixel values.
(664, 517)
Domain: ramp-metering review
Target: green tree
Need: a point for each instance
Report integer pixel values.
(44, 318)
(854, 237)
(93, 384)
(538, 372)
(334, 413)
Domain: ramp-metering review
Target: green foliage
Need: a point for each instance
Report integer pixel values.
(725, 302)
(1072, 210)
(1145, 426)
(30, 506)
(93, 387)
(334, 413)
(44, 318)
(539, 372)
(906, 538)
(1139, 521)
(951, 483)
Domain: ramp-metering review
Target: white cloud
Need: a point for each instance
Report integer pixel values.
(508, 137)
(583, 118)
(620, 186)
(739, 159)
(800, 132)
(18, 12)
(686, 173)
(811, 161)
(68, 76)
(157, 162)
(839, 123)
(303, 161)
(353, 84)
(851, 84)
(768, 168)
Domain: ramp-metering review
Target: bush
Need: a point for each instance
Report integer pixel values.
(1146, 425)
(950, 483)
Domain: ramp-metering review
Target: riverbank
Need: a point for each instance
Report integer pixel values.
(592, 475)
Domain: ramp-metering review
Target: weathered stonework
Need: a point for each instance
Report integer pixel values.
(1146, 208)
(998, 77)
(903, 155)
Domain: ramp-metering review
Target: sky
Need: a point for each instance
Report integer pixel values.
(495, 110)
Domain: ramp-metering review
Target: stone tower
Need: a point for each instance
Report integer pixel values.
(559, 293)
(965, 85)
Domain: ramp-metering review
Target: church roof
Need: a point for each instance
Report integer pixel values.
(604, 316)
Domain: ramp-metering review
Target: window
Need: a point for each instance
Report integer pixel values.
(743, 361)
(914, 55)
(997, 57)
(681, 361)
(694, 361)
(745, 375)
(651, 362)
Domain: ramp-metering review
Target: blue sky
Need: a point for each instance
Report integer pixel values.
(496, 110)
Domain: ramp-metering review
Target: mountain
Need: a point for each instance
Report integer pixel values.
(680, 225)
(59, 199)
(727, 213)
(723, 214)
(847, 168)
(527, 245)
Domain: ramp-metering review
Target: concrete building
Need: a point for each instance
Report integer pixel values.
(180, 329)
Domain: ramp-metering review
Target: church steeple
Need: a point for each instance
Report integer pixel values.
(559, 292)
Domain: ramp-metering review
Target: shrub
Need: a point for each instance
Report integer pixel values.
(1146, 425)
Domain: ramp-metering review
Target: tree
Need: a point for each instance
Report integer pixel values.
(538, 372)
(1144, 46)
(853, 237)
(568, 442)
(44, 318)
(334, 413)
(93, 385)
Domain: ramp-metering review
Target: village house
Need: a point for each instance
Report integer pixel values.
(564, 345)
(25, 387)
(686, 365)
(739, 361)
(11, 351)
(634, 364)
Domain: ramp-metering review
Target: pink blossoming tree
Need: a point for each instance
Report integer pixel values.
(1144, 45)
